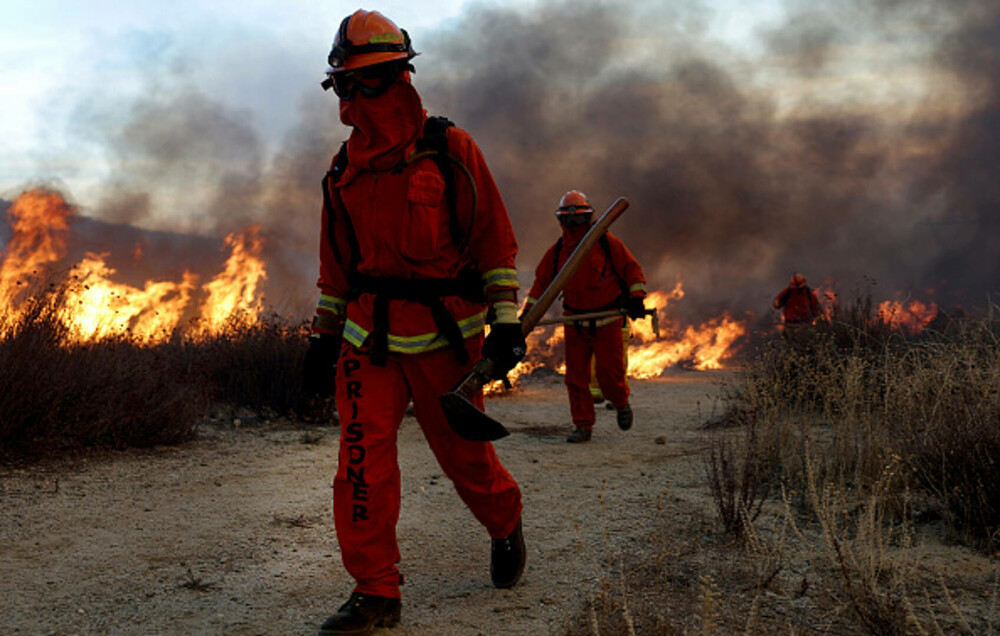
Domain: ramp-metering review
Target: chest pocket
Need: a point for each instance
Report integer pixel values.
(593, 271)
(421, 231)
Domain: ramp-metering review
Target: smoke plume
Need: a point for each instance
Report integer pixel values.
(852, 141)
(745, 167)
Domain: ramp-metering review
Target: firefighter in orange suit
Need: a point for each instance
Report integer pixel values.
(797, 302)
(416, 249)
(595, 386)
(609, 278)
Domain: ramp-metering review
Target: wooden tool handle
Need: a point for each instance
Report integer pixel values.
(597, 230)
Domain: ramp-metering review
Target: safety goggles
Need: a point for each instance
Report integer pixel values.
(573, 209)
(573, 219)
(370, 81)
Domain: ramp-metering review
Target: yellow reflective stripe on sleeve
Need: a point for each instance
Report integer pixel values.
(503, 276)
(354, 334)
(637, 287)
(331, 303)
(470, 326)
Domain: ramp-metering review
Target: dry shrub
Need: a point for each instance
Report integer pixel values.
(112, 394)
(257, 365)
(740, 474)
(862, 394)
(944, 413)
(859, 539)
(116, 393)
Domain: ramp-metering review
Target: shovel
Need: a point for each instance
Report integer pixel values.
(463, 416)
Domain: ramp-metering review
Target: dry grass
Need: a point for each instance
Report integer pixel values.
(864, 399)
(871, 433)
(884, 450)
(741, 473)
(116, 393)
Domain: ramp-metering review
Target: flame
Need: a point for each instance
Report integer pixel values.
(233, 296)
(40, 222)
(912, 317)
(94, 307)
(703, 347)
(828, 298)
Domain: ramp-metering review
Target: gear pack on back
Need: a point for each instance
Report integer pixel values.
(432, 144)
(799, 305)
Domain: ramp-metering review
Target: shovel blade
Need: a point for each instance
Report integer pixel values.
(463, 416)
(468, 421)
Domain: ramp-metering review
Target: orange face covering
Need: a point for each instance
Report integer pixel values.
(572, 234)
(383, 127)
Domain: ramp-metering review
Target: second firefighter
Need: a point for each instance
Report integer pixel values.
(609, 278)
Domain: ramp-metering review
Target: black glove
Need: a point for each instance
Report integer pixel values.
(319, 370)
(636, 309)
(505, 346)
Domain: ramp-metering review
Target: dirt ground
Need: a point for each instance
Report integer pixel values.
(233, 533)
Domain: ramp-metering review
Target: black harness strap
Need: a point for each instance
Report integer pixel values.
(428, 292)
(616, 303)
(435, 139)
(380, 331)
(330, 183)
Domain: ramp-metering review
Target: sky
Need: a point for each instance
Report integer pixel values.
(259, 57)
(60, 57)
(855, 140)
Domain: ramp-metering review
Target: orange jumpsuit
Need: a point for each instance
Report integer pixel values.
(798, 303)
(393, 223)
(604, 276)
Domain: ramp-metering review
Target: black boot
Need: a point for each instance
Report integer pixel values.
(579, 435)
(625, 417)
(361, 614)
(507, 559)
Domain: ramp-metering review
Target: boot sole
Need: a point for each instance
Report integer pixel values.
(386, 621)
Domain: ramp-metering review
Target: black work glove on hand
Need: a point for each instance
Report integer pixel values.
(636, 308)
(319, 370)
(505, 346)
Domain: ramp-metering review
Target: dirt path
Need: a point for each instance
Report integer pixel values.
(233, 533)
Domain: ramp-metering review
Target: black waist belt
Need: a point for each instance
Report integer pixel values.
(427, 292)
(617, 303)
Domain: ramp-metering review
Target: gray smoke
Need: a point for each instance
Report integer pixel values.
(733, 185)
(742, 165)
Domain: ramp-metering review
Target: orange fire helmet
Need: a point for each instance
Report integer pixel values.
(798, 280)
(366, 38)
(574, 202)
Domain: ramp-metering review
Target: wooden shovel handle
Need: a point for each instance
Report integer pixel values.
(597, 230)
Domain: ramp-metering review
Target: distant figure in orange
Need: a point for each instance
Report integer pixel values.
(608, 279)
(798, 302)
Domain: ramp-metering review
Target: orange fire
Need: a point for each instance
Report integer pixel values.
(233, 295)
(702, 348)
(912, 317)
(94, 307)
(40, 221)
(707, 346)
